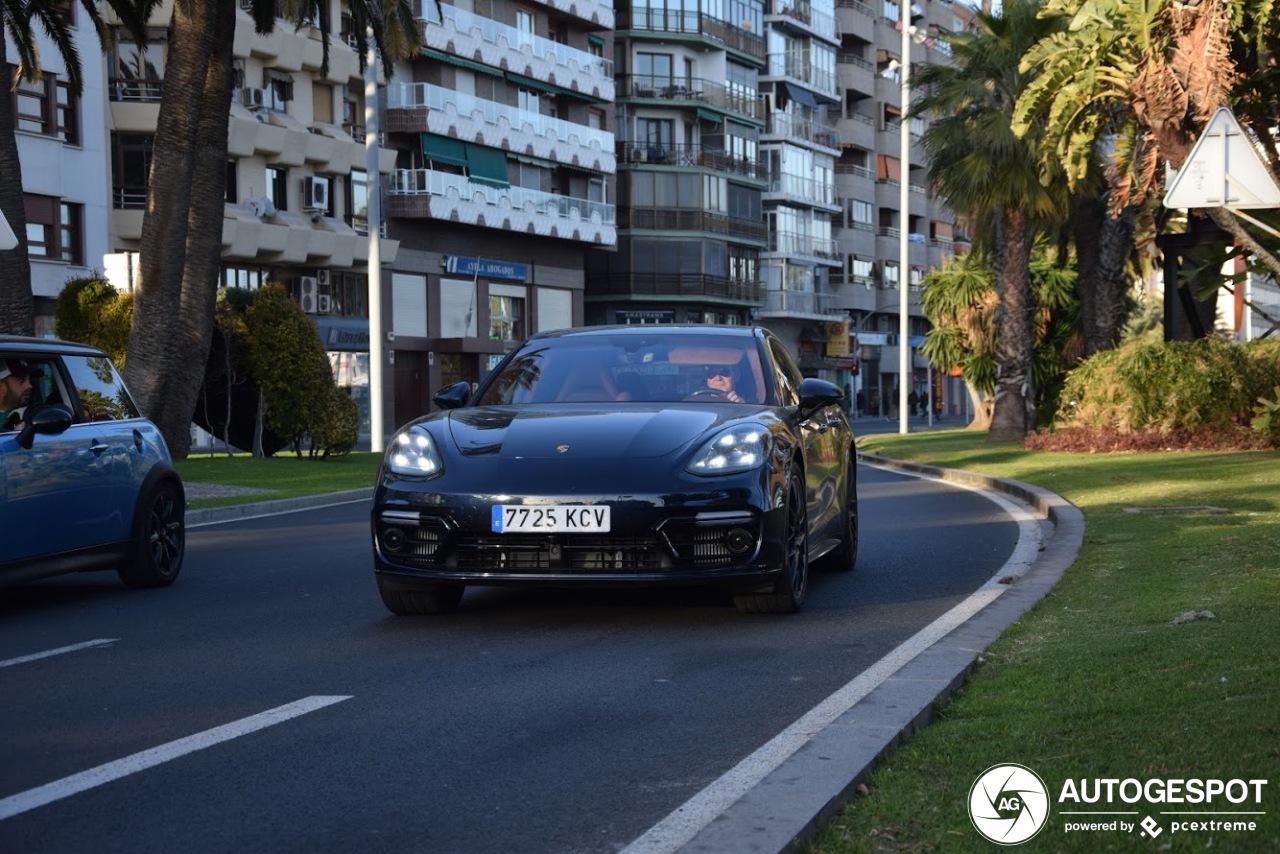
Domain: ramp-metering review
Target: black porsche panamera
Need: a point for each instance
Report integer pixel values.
(601, 456)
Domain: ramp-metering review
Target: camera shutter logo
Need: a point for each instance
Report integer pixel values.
(1008, 804)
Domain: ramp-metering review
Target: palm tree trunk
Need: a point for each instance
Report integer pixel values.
(1087, 214)
(17, 306)
(1014, 412)
(1113, 280)
(182, 227)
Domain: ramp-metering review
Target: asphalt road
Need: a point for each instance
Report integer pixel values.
(268, 702)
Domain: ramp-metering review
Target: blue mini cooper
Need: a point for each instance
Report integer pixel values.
(85, 481)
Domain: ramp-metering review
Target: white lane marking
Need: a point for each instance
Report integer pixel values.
(76, 783)
(688, 819)
(76, 647)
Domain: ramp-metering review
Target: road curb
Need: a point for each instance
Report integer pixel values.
(788, 808)
(256, 509)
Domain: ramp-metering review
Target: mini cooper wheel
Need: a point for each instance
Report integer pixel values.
(159, 537)
(790, 589)
(416, 601)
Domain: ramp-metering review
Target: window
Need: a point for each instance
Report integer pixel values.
(46, 107)
(137, 71)
(358, 201)
(653, 73)
(233, 194)
(102, 394)
(55, 229)
(245, 278)
(131, 169)
(861, 214)
(279, 91)
(506, 314)
(278, 187)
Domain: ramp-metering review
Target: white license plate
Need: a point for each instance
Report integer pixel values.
(550, 519)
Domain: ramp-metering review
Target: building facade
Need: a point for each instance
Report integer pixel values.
(537, 165)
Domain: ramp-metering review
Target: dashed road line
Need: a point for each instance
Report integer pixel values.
(76, 647)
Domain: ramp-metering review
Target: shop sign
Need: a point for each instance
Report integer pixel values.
(476, 267)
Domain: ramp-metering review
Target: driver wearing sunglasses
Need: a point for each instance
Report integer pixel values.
(721, 379)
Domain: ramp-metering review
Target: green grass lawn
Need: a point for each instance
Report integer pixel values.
(1097, 681)
(284, 475)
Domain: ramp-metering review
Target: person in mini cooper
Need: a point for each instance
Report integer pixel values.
(15, 391)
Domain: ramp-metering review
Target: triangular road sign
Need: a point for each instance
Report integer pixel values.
(1225, 170)
(8, 240)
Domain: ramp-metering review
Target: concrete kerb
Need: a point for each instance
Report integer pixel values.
(788, 808)
(253, 510)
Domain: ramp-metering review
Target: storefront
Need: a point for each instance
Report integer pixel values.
(346, 341)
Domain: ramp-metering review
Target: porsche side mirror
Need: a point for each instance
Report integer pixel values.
(816, 393)
(453, 396)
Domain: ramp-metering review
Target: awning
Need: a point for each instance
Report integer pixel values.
(461, 63)
(444, 149)
(595, 39)
(799, 93)
(487, 165)
(530, 83)
(707, 115)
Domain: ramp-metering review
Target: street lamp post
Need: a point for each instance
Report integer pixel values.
(907, 14)
(373, 184)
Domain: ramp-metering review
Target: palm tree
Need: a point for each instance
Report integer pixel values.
(1145, 76)
(994, 178)
(21, 20)
(182, 226)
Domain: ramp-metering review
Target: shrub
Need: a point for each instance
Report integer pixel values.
(339, 425)
(91, 311)
(1204, 393)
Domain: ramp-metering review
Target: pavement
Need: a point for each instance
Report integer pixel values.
(785, 810)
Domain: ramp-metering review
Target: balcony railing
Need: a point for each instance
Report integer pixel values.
(807, 129)
(803, 188)
(796, 65)
(800, 302)
(678, 284)
(688, 155)
(692, 91)
(428, 182)
(691, 22)
(800, 10)
(511, 38)
(796, 243)
(684, 219)
(149, 91)
(420, 96)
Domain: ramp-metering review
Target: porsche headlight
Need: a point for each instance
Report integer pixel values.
(740, 448)
(414, 452)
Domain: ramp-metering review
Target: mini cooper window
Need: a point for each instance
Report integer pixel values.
(102, 395)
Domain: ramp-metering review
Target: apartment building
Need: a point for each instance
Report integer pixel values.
(868, 182)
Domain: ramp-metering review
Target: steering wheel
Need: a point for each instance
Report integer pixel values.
(706, 392)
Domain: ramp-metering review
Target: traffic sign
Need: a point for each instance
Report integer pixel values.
(8, 240)
(1224, 169)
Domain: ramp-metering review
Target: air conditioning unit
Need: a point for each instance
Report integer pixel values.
(322, 277)
(315, 194)
(323, 304)
(253, 97)
(308, 292)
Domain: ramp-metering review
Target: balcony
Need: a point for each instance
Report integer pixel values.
(857, 19)
(685, 219)
(591, 11)
(690, 22)
(426, 193)
(804, 129)
(694, 285)
(858, 131)
(796, 65)
(716, 159)
(801, 15)
(424, 107)
(806, 304)
(473, 38)
(802, 190)
(692, 92)
(795, 244)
